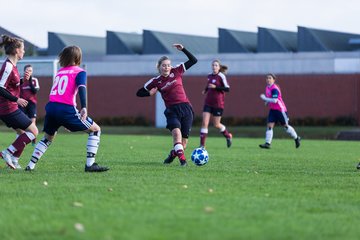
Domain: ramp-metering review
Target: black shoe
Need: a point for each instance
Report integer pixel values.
(297, 142)
(358, 166)
(183, 163)
(229, 140)
(95, 168)
(265, 145)
(28, 169)
(170, 158)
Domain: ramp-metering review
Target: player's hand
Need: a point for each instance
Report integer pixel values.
(22, 102)
(27, 75)
(211, 85)
(153, 91)
(83, 114)
(178, 46)
(263, 97)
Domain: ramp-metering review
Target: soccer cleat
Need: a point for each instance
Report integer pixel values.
(358, 166)
(95, 168)
(229, 140)
(170, 158)
(265, 145)
(7, 158)
(16, 164)
(183, 163)
(28, 169)
(297, 142)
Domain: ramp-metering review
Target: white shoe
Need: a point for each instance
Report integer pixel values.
(16, 164)
(7, 158)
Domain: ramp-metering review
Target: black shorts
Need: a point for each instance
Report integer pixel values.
(217, 112)
(16, 120)
(180, 116)
(29, 110)
(278, 116)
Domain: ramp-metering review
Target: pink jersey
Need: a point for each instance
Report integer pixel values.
(215, 98)
(273, 91)
(64, 88)
(10, 80)
(25, 90)
(170, 87)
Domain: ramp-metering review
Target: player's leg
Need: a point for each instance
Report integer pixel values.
(40, 148)
(51, 125)
(31, 112)
(92, 147)
(222, 128)
(18, 120)
(173, 124)
(204, 126)
(187, 118)
(289, 129)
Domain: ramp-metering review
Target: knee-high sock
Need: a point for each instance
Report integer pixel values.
(39, 151)
(20, 143)
(269, 135)
(291, 131)
(203, 135)
(92, 147)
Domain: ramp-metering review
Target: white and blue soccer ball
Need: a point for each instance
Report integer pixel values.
(200, 156)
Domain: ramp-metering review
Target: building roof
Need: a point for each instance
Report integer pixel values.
(232, 41)
(271, 40)
(89, 45)
(161, 43)
(123, 43)
(310, 39)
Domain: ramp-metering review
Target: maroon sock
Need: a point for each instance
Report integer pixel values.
(20, 143)
(203, 139)
(226, 133)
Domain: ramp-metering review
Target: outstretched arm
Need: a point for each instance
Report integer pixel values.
(192, 59)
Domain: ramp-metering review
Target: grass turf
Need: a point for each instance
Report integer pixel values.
(242, 193)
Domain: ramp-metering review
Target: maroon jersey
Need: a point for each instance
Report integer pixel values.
(10, 80)
(25, 90)
(215, 98)
(170, 87)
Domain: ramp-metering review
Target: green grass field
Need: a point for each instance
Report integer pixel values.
(242, 193)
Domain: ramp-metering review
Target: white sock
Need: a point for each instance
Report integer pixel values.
(291, 131)
(38, 152)
(204, 130)
(92, 147)
(269, 135)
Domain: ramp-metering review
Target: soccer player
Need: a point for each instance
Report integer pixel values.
(29, 86)
(61, 109)
(215, 90)
(10, 101)
(179, 114)
(278, 112)
(28, 90)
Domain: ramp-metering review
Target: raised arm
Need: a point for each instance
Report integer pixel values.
(192, 59)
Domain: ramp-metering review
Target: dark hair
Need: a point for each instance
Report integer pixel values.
(272, 75)
(27, 66)
(70, 56)
(10, 44)
(223, 68)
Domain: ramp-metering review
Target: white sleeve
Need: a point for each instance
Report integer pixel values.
(223, 78)
(6, 74)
